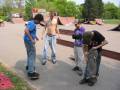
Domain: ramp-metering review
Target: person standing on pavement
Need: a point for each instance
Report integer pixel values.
(50, 34)
(78, 47)
(29, 41)
(93, 42)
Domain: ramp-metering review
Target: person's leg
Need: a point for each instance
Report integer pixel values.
(31, 53)
(84, 80)
(28, 50)
(98, 61)
(92, 67)
(76, 59)
(78, 53)
(92, 62)
(32, 58)
(45, 50)
(80, 57)
(53, 49)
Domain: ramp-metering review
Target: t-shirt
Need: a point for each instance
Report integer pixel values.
(97, 39)
(79, 32)
(32, 29)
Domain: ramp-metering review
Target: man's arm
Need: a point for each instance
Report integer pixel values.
(57, 31)
(43, 24)
(101, 45)
(28, 33)
(43, 32)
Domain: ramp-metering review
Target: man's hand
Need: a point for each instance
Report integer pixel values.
(85, 60)
(85, 57)
(33, 41)
(37, 38)
(94, 48)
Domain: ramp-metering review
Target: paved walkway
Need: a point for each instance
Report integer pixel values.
(52, 77)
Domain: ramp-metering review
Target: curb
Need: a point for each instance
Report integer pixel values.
(15, 73)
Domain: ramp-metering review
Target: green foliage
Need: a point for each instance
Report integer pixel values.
(93, 9)
(63, 7)
(111, 11)
(29, 4)
(112, 21)
(118, 13)
(90, 9)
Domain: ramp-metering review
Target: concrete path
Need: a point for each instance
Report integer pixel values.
(52, 77)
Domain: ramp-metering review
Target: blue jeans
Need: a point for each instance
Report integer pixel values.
(91, 67)
(31, 56)
(49, 41)
(98, 61)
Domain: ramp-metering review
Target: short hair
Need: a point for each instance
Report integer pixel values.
(52, 13)
(87, 37)
(77, 22)
(39, 17)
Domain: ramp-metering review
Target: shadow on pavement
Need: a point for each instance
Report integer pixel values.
(61, 77)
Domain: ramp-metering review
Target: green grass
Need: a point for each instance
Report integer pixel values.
(112, 21)
(17, 81)
(2, 17)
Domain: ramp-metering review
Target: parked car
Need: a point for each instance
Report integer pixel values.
(16, 15)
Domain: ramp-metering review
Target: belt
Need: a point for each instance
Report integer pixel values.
(51, 35)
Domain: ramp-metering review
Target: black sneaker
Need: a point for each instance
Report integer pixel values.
(26, 68)
(83, 81)
(80, 72)
(92, 81)
(97, 75)
(33, 76)
(54, 61)
(76, 68)
(44, 62)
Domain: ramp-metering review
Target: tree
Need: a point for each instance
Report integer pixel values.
(18, 3)
(118, 13)
(111, 11)
(93, 9)
(29, 4)
(100, 8)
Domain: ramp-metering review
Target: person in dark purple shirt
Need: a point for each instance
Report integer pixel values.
(78, 47)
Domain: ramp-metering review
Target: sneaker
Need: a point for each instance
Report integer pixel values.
(33, 76)
(80, 72)
(44, 62)
(92, 81)
(83, 81)
(26, 68)
(54, 61)
(76, 68)
(97, 75)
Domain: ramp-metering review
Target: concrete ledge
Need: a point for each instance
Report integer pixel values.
(106, 53)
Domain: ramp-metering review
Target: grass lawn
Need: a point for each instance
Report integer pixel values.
(17, 81)
(112, 21)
